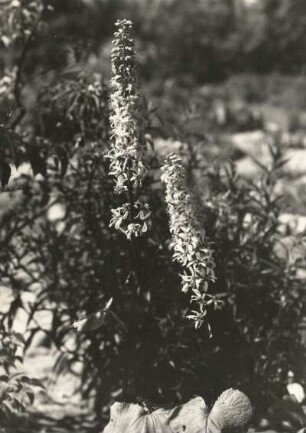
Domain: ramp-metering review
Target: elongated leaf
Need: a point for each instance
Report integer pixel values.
(32, 381)
(38, 164)
(5, 173)
(4, 378)
(18, 338)
(92, 321)
(11, 146)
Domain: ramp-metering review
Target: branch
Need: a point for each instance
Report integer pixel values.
(12, 188)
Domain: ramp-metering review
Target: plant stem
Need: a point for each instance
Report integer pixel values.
(134, 284)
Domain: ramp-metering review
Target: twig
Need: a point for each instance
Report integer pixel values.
(12, 188)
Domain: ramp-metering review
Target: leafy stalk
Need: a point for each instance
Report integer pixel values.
(128, 165)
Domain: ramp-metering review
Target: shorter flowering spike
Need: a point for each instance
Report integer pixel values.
(191, 248)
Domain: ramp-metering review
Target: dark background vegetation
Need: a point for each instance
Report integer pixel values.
(192, 55)
(202, 40)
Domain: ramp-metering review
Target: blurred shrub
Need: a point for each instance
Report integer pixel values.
(16, 388)
(276, 89)
(206, 40)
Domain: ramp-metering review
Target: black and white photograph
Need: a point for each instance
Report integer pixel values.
(152, 216)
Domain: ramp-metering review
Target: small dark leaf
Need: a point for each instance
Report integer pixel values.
(92, 321)
(19, 338)
(15, 305)
(11, 145)
(33, 332)
(64, 164)
(32, 381)
(30, 396)
(4, 378)
(8, 407)
(19, 406)
(3, 414)
(4, 351)
(5, 173)
(38, 164)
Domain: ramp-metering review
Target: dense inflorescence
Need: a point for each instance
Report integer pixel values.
(191, 248)
(128, 152)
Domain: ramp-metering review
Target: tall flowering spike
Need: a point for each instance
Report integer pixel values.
(128, 153)
(191, 248)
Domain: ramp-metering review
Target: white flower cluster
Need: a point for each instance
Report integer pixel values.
(128, 152)
(191, 247)
(7, 84)
(139, 225)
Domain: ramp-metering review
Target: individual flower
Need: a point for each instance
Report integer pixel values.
(191, 248)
